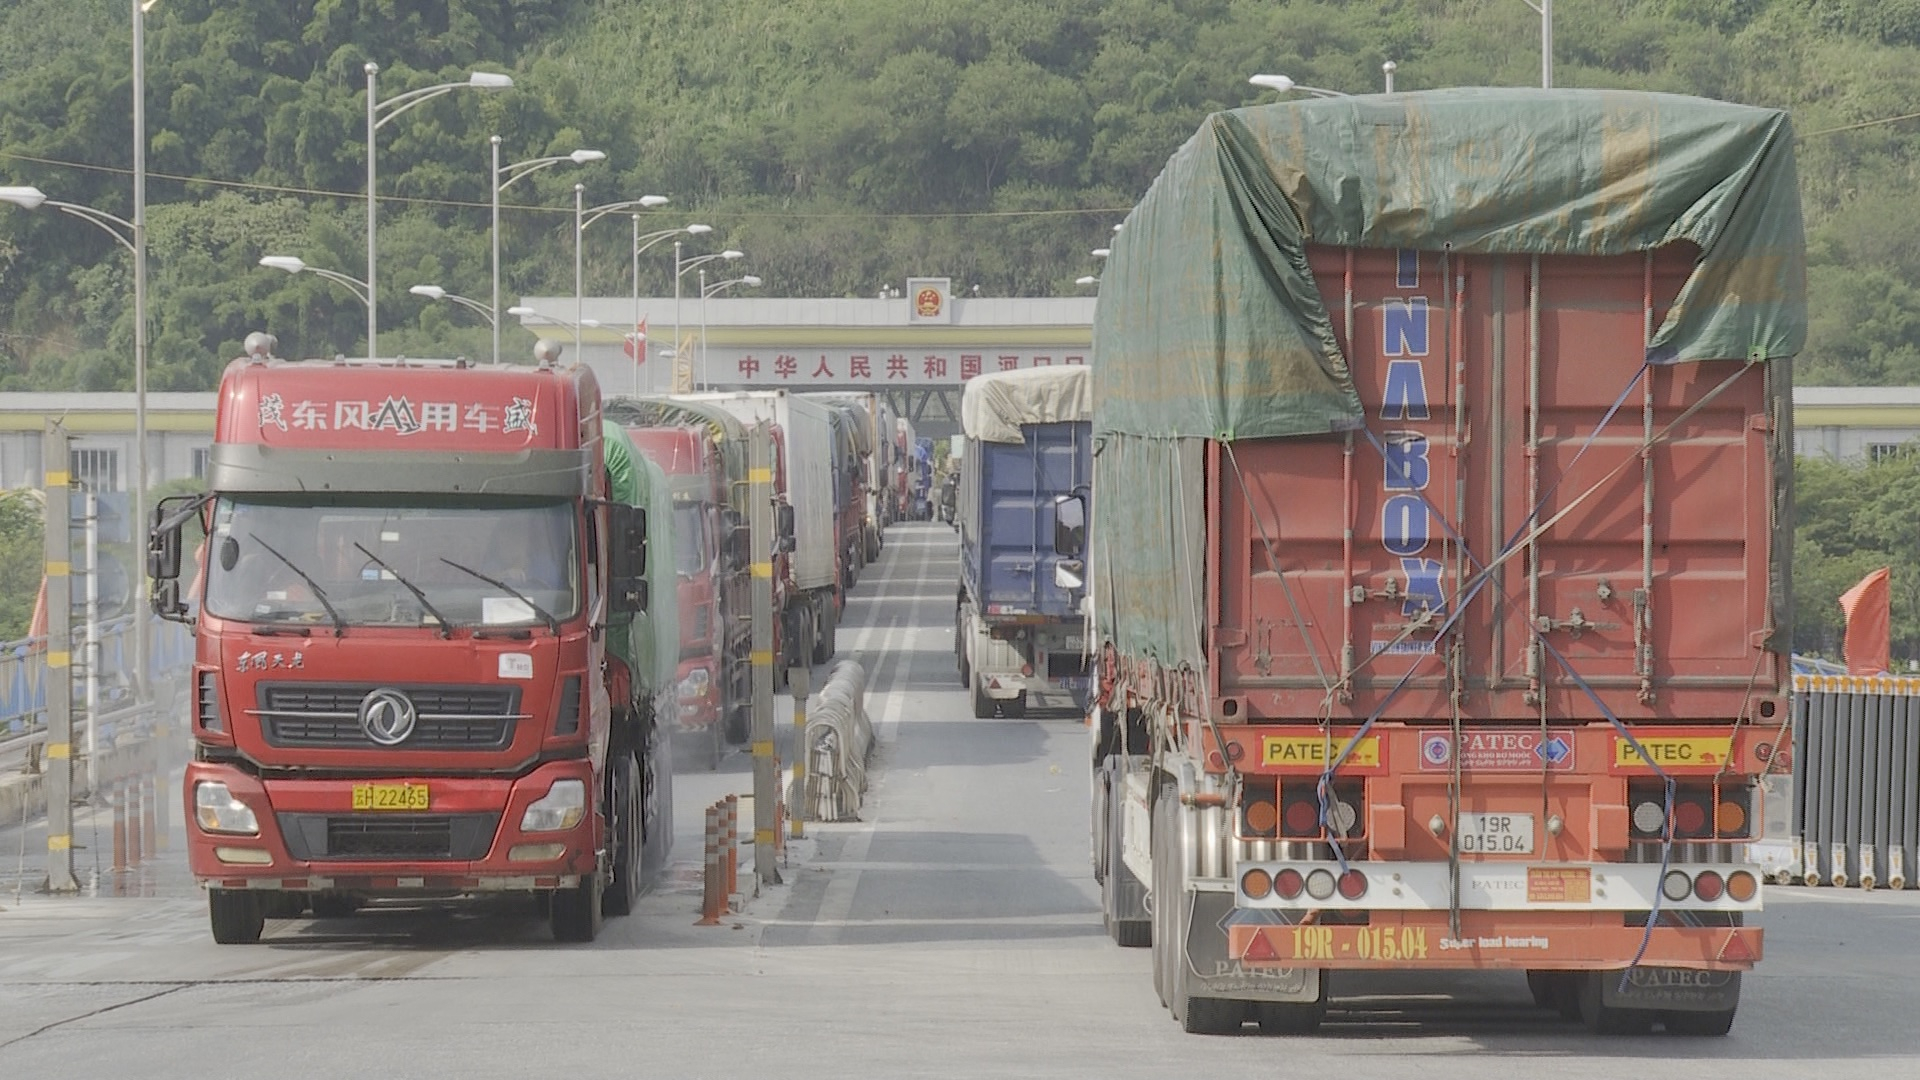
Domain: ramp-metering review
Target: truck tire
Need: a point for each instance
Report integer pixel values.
(1122, 899)
(982, 704)
(960, 644)
(623, 889)
(575, 914)
(1699, 1025)
(236, 916)
(1604, 1019)
(1197, 1015)
(1014, 708)
(1157, 903)
(824, 635)
(873, 546)
(1097, 827)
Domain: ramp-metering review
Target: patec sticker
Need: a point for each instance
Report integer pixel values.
(516, 665)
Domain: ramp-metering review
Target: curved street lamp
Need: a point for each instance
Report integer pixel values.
(378, 114)
(435, 292)
(707, 290)
(584, 216)
(1283, 84)
(532, 317)
(501, 178)
(293, 265)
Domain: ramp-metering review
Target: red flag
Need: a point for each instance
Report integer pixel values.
(1869, 610)
(636, 343)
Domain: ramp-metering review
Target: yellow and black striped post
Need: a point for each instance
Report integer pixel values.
(797, 680)
(766, 781)
(59, 676)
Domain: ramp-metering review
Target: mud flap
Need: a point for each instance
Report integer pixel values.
(1216, 975)
(1672, 989)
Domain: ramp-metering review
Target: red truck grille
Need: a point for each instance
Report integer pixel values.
(318, 837)
(328, 715)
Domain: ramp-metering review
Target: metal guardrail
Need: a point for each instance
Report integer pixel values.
(23, 683)
(1849, 813)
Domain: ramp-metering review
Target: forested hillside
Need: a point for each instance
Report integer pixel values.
(840, 143)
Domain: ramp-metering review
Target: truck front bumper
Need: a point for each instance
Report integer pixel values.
(467, 838)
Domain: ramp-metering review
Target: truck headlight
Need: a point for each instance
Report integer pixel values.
(217, 811)
(561, 808)
(696, 683)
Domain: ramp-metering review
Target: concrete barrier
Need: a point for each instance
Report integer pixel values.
(837, 743)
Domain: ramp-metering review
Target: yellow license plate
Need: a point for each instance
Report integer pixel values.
(389, 796)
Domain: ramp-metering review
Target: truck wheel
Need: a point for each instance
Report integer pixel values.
(823, 639)
(1197, 1015)
(1700, 1025)
(624, 888)
(1556, 990)
(1290, 1017)
(284, 905)
(236, 915)
(1608, 1019)
(982, 704)
(1102, 791)
(1016, 708)
(1123, 900)
(873, 546)
(960, 644)
(575, 914)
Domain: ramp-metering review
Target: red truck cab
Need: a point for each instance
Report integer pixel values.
(403, 679)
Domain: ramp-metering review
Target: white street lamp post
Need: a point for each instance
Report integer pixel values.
(680, 267)
(706, 376)
(139, 229)
(132, 239)
(435, 292)
(1283, 84)
(691, 230)
(1387, 69)
(533, 316)
(583, 217)
(392, 107)
(292, 265)
(501, 178)
(1545, 10)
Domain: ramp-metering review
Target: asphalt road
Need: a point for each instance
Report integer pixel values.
(954, 932)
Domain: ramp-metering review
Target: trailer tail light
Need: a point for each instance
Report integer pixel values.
(1676, 886)
(1256, 883)
(1742, 886)
(1699, 812)
(1299, 811)
(1353, 885)
(1320, 884)
(206, 702)
(1289, 884)
(568, 720)
(1708, 885)
(1258, 814)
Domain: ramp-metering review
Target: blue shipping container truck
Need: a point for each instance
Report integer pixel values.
(1019, 637)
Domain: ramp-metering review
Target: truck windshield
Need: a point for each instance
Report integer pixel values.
(689, 538)
(357, 550)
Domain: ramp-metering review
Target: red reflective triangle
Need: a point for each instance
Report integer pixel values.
(1261, 947)
(1736, 950)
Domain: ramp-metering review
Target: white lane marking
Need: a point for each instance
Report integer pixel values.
(836, 902)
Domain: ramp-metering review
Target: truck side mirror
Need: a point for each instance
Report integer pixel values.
(163, 554)
(783, 528)
(627, 559)
(1069, 525)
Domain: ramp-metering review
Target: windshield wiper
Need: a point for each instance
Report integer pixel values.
(546, 616)
(339, 624)
(446, 628)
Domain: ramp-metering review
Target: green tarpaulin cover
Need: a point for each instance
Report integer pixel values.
(1209, 324)
(650, 643)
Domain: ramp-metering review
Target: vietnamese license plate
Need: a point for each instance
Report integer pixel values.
(1496, 834)
(389, 796)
